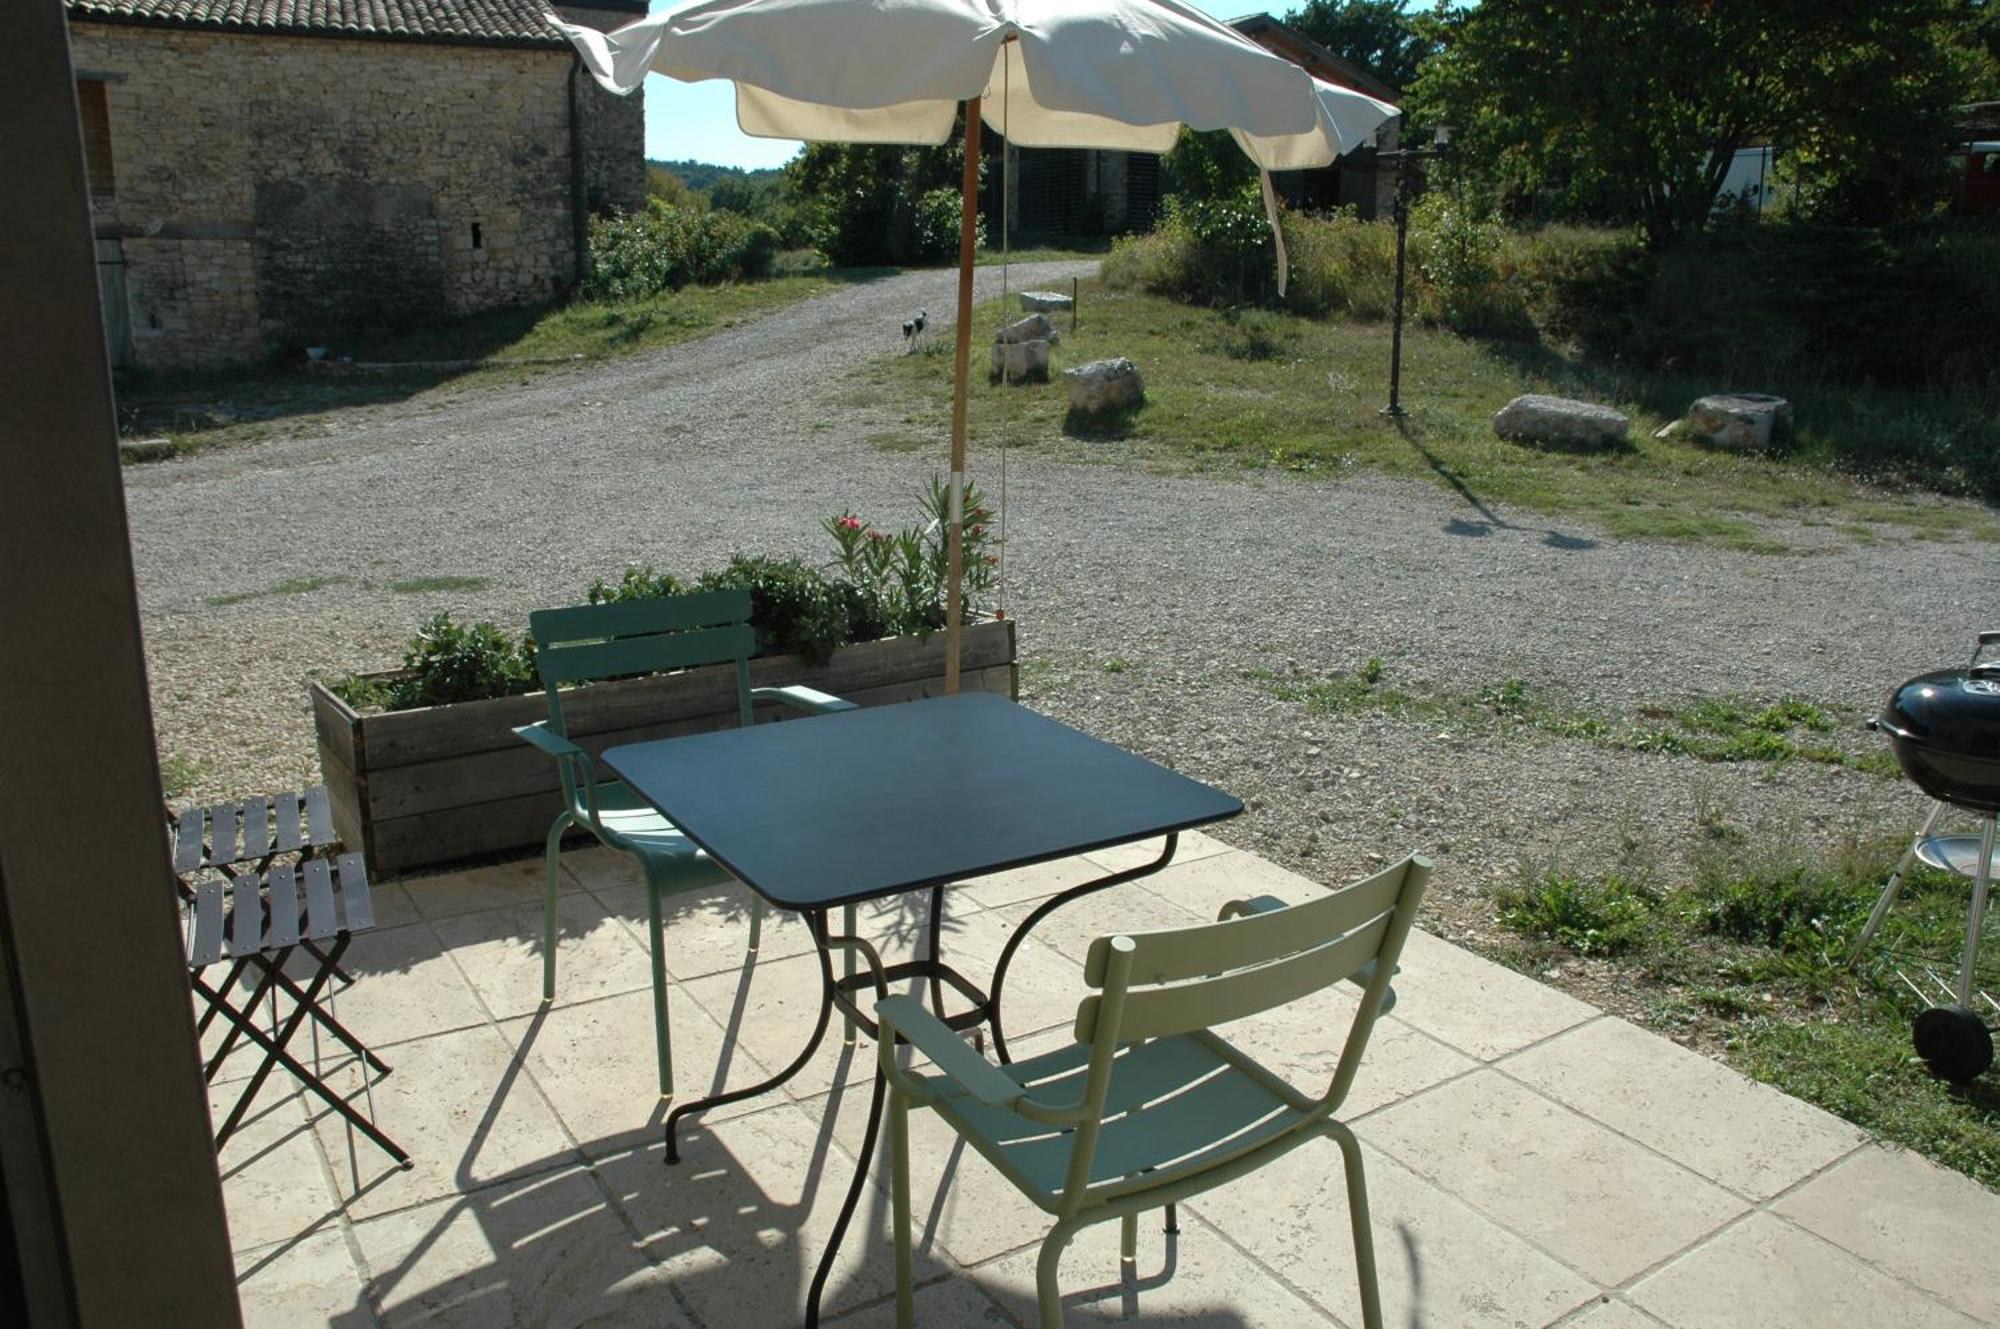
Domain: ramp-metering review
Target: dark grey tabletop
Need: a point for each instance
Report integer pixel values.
(839, 808)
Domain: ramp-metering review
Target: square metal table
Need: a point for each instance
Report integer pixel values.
(831, 811)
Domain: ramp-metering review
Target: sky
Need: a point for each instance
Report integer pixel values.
(698, 120)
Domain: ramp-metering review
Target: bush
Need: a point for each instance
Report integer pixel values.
(1777, 899)
(448, 662)
(1590, 917)
(937, 226)
(794, 608)
(1209, 251)
(1340, 265)
(666, 247)
(635, 583)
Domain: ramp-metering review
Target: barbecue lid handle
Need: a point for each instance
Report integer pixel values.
(1990, 637)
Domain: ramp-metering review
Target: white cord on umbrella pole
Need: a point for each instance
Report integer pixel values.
(1006, 259)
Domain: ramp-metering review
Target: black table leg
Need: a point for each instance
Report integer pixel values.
(1043, 910)
(816, 921)
(854, 1189)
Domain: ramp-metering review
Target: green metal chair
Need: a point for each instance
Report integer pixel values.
(588, 643)
(1149, 1106)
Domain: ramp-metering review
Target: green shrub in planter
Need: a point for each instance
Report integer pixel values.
(794, 608)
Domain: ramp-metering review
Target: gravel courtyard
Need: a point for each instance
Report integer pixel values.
(1153, 608)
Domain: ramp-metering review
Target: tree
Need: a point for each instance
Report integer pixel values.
(1634, 109)
(866, 197)
(1378, 35)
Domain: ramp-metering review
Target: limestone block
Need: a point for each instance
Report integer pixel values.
(1045, 302)
(1560, 422)
(1035, 327)
(1019, 361)
(1741, 421)
(1104, 385)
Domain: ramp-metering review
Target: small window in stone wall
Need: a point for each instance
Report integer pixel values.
(96, 118)
(478, 237)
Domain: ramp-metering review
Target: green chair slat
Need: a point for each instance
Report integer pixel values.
(287, 805)
(256, 826)
(1155, 1012)
(645, 655)
(284, 908)
(319, 816)
(1214, 948)
(634, 618)
(321, 919)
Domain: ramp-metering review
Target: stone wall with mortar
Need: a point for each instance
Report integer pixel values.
(272, 192)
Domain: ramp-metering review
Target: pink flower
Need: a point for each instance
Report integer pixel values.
(874, 534)
(849, 523)
(976, 531)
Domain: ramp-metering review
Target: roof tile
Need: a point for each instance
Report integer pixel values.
(510, 21)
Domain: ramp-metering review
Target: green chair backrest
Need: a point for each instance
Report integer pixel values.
(1155, 984)
(586, 642)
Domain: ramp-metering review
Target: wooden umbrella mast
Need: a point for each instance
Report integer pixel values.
(968, 235)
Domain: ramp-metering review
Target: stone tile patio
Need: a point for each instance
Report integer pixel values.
(1532, 1161)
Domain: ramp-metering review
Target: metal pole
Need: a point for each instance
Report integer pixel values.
(961, 364)
(1394, 410)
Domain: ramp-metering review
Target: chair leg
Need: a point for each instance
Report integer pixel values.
(1048, 1295)
(1128, 1237)
(656, 934)
(899, 1159)
(756, 921)
(562, 824)
(1364, 1235)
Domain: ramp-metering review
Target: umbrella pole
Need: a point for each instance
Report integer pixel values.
(968, 233)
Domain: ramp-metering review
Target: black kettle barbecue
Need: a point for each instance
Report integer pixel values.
(1944, 728)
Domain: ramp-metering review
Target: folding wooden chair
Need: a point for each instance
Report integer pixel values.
(255, 921)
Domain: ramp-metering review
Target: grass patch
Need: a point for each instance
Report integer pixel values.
(1272, 390)
(1711, 729)
(1749, 953)
(289, 586)
(425, 585)
(179, 774)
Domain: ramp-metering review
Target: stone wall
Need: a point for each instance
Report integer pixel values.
(613, 129)
(275, 192)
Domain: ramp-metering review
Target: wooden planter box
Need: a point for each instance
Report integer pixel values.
(412, 788)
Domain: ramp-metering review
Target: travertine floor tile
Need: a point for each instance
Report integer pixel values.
(595, 1062)
(303, 1282)
(1193, 845)
(500, 953)
(492, 886)
(1483, 1009)
(955, 1303)
(741, 1222)
(1764, 1273)
(273, 1183)
(459, 1105)
(1612, 1313)
(404, 987)
(1030, 883)
(1697, 1112)
(1934, 1227)
(1439, 1262)
(1193, 1280)
(1203, 884)
(707, 931)
(543, 1252)
(1587, 1195)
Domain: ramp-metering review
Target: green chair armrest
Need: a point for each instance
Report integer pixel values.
(1264, 904)
(906, 1018)
(549, 741)
(810, 700)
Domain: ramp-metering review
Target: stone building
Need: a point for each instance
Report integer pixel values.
(267, 175)
(1069, 191)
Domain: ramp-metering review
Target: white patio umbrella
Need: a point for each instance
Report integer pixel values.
(1113, 74)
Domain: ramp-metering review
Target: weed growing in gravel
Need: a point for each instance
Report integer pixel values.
(178, 774)
(289, 586)
(425, 585)
(1591, 917)
(1711, 729)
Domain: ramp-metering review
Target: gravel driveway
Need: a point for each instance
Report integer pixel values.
(683, 456)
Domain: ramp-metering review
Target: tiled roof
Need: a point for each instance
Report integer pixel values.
(509, 22)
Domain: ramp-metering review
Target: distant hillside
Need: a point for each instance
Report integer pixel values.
(700, 175)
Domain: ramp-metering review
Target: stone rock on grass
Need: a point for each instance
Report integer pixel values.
(1740, 421)
(1017, 362)
(1104, 385)
(1035, 327)
(1045, 302)
(1561, 422)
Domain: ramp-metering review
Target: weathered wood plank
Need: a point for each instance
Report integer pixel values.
(402, 737)
(334, 720)
(345, 791)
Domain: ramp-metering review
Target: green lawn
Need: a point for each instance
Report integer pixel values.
(1274, 390)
